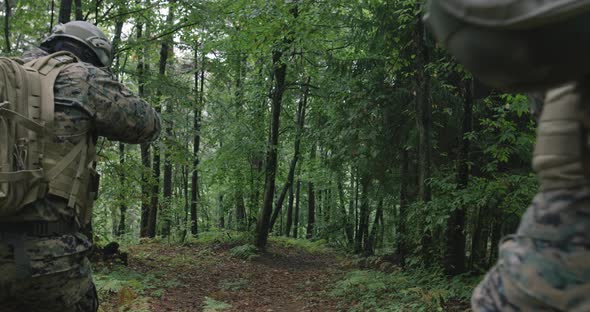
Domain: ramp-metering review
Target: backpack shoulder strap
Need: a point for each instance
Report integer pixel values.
(49, 68)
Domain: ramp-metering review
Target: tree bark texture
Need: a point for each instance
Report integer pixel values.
(455, 257)
(311, 200)
(196, 144)
(402, 249)
(7, 14)
(297, 204)
(79, 15)
(65, 11)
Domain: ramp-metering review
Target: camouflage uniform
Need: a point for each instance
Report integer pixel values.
(545, 266)
(86, 97)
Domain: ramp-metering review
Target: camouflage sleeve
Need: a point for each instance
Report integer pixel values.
(120, 115)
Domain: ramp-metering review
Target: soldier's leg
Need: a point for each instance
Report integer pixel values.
(69, 291)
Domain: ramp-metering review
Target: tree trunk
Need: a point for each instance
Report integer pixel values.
(348, 226)
(7, 14)
(455, 257)
(240, 211)
(65, 11)
(289, 222)
(377, 225)
(311, 200)
(264, 218)
(122, 206)
(424, 125)
(52, 15)
(402, 249)
(363, 229)
(196, 144)
(79, 15)
(145, 147)
(221, 211)
(300, 124)
(297, 201)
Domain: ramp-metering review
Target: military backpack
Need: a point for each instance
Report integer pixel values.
(27, 168)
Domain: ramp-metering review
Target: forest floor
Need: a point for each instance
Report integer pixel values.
(222, 277)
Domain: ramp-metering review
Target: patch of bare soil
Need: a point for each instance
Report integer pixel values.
(282, 279)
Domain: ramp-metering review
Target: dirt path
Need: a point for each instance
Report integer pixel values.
(208, 278)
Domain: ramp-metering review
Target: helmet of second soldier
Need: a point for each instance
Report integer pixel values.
(87, 34)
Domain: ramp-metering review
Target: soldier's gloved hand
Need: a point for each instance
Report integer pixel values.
(561, 157)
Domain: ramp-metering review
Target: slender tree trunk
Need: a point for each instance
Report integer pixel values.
(377, 225)
(424, 124)
(166, 49)
(300, 124)
(221, 210)
(280, 73)
(65, 11)
(240, 211)
(52, 15)
(79, 15)
(311, 200)
(196, 146)
(348, 227)
(7, 14)
(289, 222)
(455, 257)
(402, 249)
(146, 186)
(122, 206)
(297, 202)
(363, 230)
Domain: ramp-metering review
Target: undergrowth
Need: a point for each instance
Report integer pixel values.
(404, 291)
(314, 247)
(129, 290)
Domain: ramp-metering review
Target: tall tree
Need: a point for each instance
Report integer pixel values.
(65, 11)
(7, 14)
(279, 74)
(300, 123)
(165, 51)
(455, 257)
(196, 140)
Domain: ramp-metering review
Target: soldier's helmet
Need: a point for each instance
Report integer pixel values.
(516, 44)
(87, 34)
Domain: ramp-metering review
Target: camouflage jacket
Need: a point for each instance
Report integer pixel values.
(90, 100)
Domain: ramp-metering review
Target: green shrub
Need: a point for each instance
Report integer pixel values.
(246, 252)
(401, 291)
(318, 246)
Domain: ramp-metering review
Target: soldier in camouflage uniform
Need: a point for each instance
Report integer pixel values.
(535, 45)
(52, 272)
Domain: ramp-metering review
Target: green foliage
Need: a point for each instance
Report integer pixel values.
(212, 305)
(402, 290)
(246, 252)
(130, 288)
(314, 247)
(234, 284)
(231, 238)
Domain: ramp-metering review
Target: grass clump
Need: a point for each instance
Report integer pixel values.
(318, 246)
(246, 252)
(212, 305)
(234, 284)
(404, 291)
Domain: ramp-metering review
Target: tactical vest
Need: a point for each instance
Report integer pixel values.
(34, 161)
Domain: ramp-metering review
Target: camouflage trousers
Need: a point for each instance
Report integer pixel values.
(59, 276)
(545, 266)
